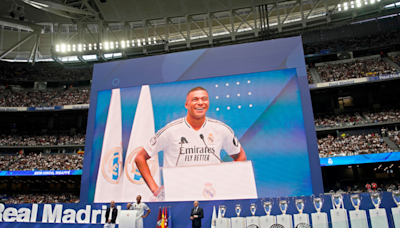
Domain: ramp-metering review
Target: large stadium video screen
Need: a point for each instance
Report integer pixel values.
(234, 136)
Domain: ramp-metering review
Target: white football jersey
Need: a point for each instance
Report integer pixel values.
(139, 208)
(184, 146)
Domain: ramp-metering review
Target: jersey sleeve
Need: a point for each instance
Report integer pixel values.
(156, 144)
(231, 144)
(145, 207)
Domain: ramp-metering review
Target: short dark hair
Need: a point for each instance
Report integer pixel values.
(196, 89)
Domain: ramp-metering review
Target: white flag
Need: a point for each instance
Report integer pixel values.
(219, 213)
(214, 219)
(142, 131)
(110, 168)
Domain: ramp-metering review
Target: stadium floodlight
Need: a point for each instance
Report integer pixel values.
(111, 44)
(123, 44)
(372, 1)
(100, 46)
(90, 47)
(74, 48)
(79, 47)
(138, 42)
(63, 47)
(84, 47)
(57, 48)
(68, 47)
(105, 46)
(143, 42)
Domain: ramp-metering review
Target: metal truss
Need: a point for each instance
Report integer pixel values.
(259, 22)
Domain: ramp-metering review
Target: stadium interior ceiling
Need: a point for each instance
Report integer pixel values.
(88, 31)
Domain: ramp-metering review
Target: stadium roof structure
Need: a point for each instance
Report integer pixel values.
(100, 30)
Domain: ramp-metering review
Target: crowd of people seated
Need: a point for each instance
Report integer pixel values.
(364, 186)
(385, 115)
(355, 43)
(347, 145)
(337, 120)
(330, 72)
(29, 73)
(21, 98)
(71, 97)
(42, 140)
(396, 59)
(40, 161)
(394, 136)
(40, 198)
(368, 41)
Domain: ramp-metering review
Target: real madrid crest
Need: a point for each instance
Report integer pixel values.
(210, 138)
(208, 191)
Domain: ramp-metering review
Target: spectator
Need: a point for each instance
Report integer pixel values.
(39, 161)
(41, 198)
(42, 140)
(348, 145)
(354, 69)
(44, 98)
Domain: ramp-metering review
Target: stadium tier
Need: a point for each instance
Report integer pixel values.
(259, 114)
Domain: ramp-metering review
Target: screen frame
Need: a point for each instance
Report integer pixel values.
(254, 57)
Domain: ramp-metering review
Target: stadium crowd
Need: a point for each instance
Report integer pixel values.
(364, 186)
(355, 43)
(42, 140)
(354, 69)
(34, 161)
(337, 120)
(396, 59)
(40, 198)
(385, 115)
(394, 136)
(22, 98)
(29, 73)
(347, 145)
(69, 97)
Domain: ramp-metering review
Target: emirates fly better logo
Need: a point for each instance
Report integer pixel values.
(111, 166)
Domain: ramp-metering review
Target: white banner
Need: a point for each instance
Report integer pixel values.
(342, 82)
(110, 169)
(142, 131)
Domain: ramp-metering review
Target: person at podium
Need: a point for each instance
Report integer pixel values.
(196, 215)
(111, 216)
(192, 140)
(140, 208)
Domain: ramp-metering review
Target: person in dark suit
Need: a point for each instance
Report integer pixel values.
(111, 215)
(196, 215)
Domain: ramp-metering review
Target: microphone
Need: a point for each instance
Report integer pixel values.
(202, 138)
(183, 141)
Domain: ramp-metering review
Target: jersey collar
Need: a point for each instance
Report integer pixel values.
(189, 126)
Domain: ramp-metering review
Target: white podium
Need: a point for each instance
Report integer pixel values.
(238, 222)
(267, 221)
(339, 218)
(378, 218)
(215, 183)
(285, 220)
(253, 220)
(396, 216)
(222, 223)
(319, 220)
(358, 219)
(127, 219)
(301, 218)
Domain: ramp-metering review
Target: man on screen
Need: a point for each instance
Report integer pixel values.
(191, 140)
